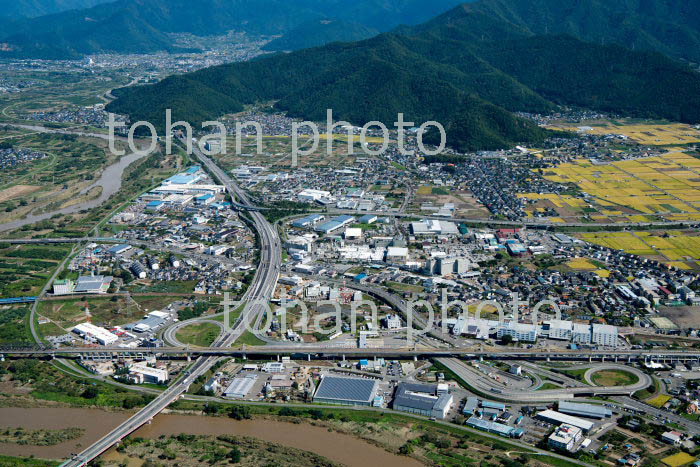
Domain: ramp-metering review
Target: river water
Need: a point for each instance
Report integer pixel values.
(337, 447)
(110, 181)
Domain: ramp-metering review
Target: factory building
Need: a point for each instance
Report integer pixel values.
(344, 390)
(94, 333)
(434, 227)
(240, 387)
(335, 224)
(495, 428)
(141, 374)
(138, 270)
(422, 399)
(308, 221)
(584, 410)
(558, 418)
(93, 284)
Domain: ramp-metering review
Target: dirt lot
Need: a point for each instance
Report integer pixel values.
(684, 316)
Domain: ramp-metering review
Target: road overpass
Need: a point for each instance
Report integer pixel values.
(257, 298)
(481, 382)
(332, 351)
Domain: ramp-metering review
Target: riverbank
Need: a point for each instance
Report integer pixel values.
(337, 447)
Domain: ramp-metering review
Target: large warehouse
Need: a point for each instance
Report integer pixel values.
(423, 399)
(557, 418)
(345, 390)
(585, 410)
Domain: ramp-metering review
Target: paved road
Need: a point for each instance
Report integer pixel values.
(483, 383)
(258, 296)
(328, 349)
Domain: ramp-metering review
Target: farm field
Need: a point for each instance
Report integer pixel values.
(680, 249)
(647, 134)
(24, 270)
(663, 187)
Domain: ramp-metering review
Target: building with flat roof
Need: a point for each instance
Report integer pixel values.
(94, 333)
(422, 399)
(495, 428)
(604, 334)
(345, 390)
(558, 418)
(565, 437)
(93, 284)
(63, 287)
(518, 331)
(144, 374)
(334, 224)
(241, 386)
(434, 227)
(584, 410)
(308, 221)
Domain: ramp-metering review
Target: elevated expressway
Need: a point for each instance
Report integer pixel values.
(257, 298)
(481, 382)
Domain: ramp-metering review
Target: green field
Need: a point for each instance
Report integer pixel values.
(200, 335)
(614, 378)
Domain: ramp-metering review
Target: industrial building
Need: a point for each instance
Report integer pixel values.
(63, 287)
(140, 374)
(313, 195)
(345, 390)
(423, 399)
(94, 333)
(93, 284)
(434, 227)
(558, 418)
(495, 428)
(241, 386)
(585, 410)
(335, 224)
(308, 221)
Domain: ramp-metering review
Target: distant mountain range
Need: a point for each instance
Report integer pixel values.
(16, 9)
(142, 26)
(468, 68)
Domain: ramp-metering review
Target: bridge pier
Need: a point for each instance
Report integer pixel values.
(2, 358)
(415, 358)
(308, 357)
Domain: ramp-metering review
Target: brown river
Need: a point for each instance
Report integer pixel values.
(337, 447)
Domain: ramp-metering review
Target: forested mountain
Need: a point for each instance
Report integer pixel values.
(319, 32)
(142, 25)
(33, 8)
(671, 27)
(432, 75)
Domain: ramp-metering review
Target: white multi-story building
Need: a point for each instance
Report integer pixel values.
(581, 333)
(565, 437)
(393, 322)
(519, 331)
(559, 329)
(144, 374)
(604, 334)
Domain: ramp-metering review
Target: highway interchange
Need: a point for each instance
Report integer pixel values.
(257, 298)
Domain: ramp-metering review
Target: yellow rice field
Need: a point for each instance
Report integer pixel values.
(678, 249)
(668, 185)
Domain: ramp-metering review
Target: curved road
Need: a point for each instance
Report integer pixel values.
(258, 296)
(483, 383)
